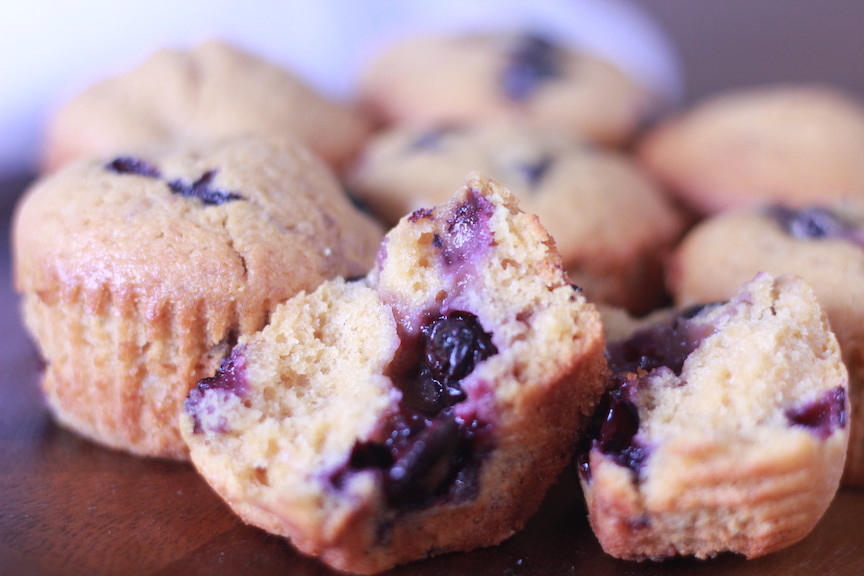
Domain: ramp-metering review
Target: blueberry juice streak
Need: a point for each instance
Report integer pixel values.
(230, 379)
(613, 429)
(425, 451)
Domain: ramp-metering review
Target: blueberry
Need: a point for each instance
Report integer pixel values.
(452, 346)
(427, 465)
(201, 189)
(620, 423)
(370, 455)
(822, 416)
(421, 459)
(533, 172)
(661, 345)
(423, 452)
(613, 428)
(811, 223)
(230, 378)
(455, 344)
(132, 165)
(532, 61)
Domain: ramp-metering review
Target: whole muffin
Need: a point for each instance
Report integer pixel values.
(789, 144)
(824, 245)
(501, 76)
(423, 409)
(725, 428)
(211, 91)
(138, 274)
(612, 226)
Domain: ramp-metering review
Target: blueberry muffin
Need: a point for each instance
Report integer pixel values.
(725, 428)
(211, 91)
(527, 78)
(422, 409)
(139, 273)
(789, 144)
(824, 245)
(612, 226)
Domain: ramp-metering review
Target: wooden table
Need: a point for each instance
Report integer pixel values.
(70, 507)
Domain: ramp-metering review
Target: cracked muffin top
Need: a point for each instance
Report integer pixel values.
(197, 224)
(137, 272)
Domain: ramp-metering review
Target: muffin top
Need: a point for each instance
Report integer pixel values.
(527, 77)
(240, 224)
(214, 90)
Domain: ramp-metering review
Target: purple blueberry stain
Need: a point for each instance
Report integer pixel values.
(134, 166)
(420, 214)
(466, 233)
(532, 61)
(230, 379)
(426, 451)
(665, 344)
(814, 223)
(823, 415)
(202, 189)
(613, 429)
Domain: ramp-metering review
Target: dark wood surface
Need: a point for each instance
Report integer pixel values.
(68, 506)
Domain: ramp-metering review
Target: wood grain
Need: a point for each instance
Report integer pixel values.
(70, 507)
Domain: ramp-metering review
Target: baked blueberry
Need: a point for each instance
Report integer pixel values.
(203, 190)
(230, 378)
(824, 415)
(532, 61)
(133, 165)
(533, 172)
(811, 223)
(426, 445)
(665, 344)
